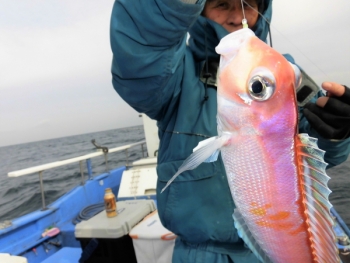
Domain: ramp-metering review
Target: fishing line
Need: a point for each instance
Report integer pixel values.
(244, 20)
(288, 40)
(267, 21)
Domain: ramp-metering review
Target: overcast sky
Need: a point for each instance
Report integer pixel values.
(55, 62)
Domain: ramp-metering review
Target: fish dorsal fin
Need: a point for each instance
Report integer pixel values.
(315, 197)
(204, 152)
(249, 240)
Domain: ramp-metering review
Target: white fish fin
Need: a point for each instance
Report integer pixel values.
(316, 193)
(214, 156)
(201, 154)
(246, 235)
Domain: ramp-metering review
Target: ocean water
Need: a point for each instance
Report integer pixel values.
(21, 195)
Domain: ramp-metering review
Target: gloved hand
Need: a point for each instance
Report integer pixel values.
(330, 116)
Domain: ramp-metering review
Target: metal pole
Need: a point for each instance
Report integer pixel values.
(82, 172)
(340, 221)
(142, 151)
(127, 157)
(106, 162)
(89, 168)
(42, 190)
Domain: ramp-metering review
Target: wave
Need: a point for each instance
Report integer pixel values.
(22, 195)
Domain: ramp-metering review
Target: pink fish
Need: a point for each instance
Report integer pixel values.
(277, 177)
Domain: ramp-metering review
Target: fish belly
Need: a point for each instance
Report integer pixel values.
(265, 186)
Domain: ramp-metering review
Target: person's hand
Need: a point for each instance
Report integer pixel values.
(330, 116)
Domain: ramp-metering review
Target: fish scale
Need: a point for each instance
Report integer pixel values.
(277, 177)
(257, 197)
(279, 200)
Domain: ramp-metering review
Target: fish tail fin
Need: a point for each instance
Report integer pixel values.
(249, 240)
(204, 152)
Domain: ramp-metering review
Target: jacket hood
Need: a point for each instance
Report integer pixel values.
(206, 34)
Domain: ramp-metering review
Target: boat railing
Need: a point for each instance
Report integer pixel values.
(87, 158)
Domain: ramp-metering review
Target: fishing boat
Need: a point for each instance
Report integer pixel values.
(50, 235)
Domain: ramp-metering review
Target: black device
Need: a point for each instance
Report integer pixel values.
(307, 89)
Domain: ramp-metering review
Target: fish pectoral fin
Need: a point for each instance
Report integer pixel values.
(206, 151)
(204, 145)
(244, 233)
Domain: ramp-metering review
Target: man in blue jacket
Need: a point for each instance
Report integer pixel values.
(157, 73)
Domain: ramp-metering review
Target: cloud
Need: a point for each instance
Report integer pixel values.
(317, 38)
(55, 71)
(31, 53)
(55, 61)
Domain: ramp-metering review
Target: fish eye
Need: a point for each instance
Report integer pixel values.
(261, 85)
(257, 87)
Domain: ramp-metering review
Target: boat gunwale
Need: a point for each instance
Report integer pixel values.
(43, 167)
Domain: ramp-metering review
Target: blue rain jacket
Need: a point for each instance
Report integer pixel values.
(155, 72)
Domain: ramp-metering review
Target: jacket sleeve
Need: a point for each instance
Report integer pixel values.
(148, 41)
